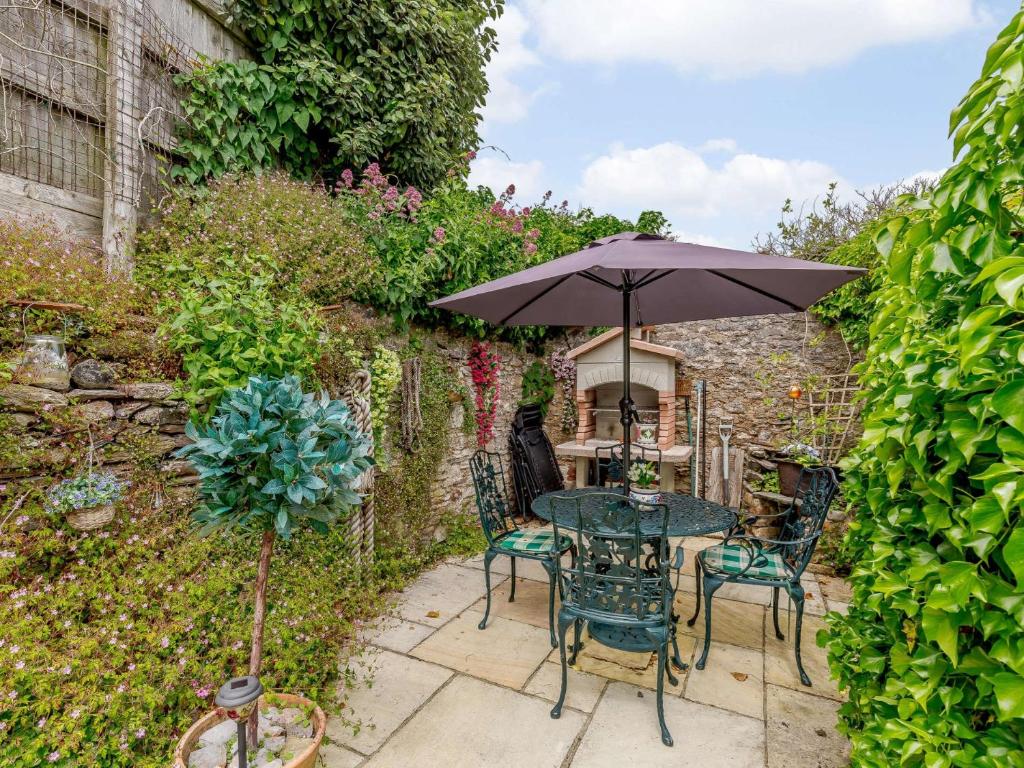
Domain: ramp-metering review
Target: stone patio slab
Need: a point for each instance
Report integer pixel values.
(835, 588)
(593, 658)
(733, 679)
(395, 634)
(525, 568)
(732, 622)
(624, 732)
(335, 756)
(582, 689)
(506, 652)
(471, 723)
(399, 686)
(780, 659)
(530, 606)
(439, 595)
(802, 731)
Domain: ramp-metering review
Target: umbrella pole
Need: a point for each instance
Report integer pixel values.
(626, 406)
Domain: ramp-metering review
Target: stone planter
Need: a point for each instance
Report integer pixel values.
(306, 759)
(90, 518)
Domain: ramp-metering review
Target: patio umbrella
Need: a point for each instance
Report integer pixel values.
(633, 279)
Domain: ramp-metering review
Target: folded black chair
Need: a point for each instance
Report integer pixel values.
(535, 469)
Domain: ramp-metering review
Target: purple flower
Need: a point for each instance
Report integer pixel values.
(439, 234)
(54, 756)
(346, 178)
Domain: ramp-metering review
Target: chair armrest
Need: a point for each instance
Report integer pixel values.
(772, 542)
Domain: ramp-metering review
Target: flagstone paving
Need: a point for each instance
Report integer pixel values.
(431, 689)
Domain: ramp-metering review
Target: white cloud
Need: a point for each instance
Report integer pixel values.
(497, 173)
(737, 38)
(719, 145)
(742, 193)
(508, 102)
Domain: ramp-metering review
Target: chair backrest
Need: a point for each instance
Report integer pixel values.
(804, 521)
(488, 472)
(621, 576)
(637, 453)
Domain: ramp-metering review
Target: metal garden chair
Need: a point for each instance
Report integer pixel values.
(776, 563)
(613, 453)
(504, 537)
(619, 584)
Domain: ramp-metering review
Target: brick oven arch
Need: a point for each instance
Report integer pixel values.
(596, 375)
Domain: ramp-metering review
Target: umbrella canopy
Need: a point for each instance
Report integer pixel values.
(632, 279)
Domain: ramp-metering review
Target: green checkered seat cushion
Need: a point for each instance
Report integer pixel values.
(733, 558)
(533, 540)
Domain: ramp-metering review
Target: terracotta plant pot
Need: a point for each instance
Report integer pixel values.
(307, 759)
(789, 475)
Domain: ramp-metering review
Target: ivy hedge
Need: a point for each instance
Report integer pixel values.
(932, 650)
(341, 84)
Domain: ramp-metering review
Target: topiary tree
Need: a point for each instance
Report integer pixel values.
(271, 460)
(932, 650)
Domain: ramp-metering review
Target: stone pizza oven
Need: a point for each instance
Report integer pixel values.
(599, 388)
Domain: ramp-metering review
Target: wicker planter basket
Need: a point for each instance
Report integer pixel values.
(306, 759)
(90, 518)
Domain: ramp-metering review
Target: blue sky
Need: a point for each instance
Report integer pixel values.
(716, 111)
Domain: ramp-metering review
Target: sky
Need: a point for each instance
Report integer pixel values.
(717, 111)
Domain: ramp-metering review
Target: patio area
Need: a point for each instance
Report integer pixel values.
(443, 692)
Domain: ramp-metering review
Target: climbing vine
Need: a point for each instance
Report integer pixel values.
(932, 651)
(484, 367)
(337, 85)
(385, 376)
(538, 386)
(564, 369)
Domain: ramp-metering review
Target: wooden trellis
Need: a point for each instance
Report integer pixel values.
(834, 409)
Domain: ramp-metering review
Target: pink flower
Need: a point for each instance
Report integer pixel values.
(511, 190)
(439, 234)
(471, 155)
(54, 756)
(140, 733)
(346, 178)
(531, 248)
(164, 642)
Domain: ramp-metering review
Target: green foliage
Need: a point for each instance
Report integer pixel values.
(931, 651)
(40, 263)
(538, 386)
(115, 641)
(292, 234)
(274, 458)
(227, 332)
(837, 232)
(342, 84)
(385, 376)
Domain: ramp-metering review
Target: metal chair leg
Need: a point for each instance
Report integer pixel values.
(775, 613)
(512, 591)
(577, 641)
(666, 737)
(550, 568)
(697, 571)
(489, 555)
(563, 624)
(711, 586)
(798, 597)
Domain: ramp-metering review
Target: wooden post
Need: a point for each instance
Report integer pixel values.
(124, 161)
(717, 492)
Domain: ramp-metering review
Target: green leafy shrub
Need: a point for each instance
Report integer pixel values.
(538, 386)
(385, 376)
(227, 332)
(342, 84)
(931, 651)
(293, 234)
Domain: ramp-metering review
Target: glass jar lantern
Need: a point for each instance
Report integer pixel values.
(44, 363)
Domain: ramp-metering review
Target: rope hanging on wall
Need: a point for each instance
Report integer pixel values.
(412, 417)
(361, 523)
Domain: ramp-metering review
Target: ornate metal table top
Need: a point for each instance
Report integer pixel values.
(687, 516)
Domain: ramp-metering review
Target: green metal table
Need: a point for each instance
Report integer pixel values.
(687, 515)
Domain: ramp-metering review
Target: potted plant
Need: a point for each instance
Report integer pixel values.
(274, 460)
(87, 501)
(643, 479)
(791, 459)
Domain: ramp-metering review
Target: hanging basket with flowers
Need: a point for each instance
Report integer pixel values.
(87, 501)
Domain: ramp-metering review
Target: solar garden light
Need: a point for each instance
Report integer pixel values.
(238, 696)
(725, 432)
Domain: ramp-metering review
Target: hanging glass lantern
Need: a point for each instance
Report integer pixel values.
(44, 363)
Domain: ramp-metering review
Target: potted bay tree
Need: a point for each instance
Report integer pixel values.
(273, 461)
